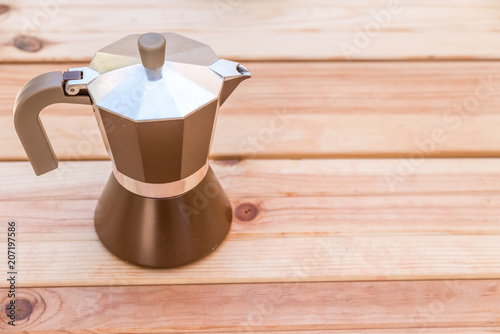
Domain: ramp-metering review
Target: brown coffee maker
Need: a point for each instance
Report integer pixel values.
(155, 98)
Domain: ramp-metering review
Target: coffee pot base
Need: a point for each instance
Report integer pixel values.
(165, 232)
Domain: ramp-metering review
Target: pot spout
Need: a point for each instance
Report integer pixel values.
(233, 74)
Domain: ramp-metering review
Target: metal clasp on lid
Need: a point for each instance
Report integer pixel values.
(76, 79)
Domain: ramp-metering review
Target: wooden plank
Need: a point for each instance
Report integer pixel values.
(395, 88)
(348, 110)
(289, 216)
(356, 307)
(80, 180)
(345, 136)
(253, 259)
(290, 30)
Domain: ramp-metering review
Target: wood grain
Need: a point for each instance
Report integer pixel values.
(356, 307)
(259, 30)
(405, 109)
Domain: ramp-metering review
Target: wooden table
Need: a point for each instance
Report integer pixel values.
(373, 207)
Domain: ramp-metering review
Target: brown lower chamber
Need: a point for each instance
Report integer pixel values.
(165, 232)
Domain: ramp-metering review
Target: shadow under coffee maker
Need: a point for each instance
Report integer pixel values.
(155, 98)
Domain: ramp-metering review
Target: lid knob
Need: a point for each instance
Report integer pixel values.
(152, 49)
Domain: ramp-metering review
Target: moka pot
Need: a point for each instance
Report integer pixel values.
(155, 98)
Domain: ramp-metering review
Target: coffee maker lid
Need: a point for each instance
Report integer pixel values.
(155, 76)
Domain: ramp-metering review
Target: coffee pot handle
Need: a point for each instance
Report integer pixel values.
(40, 92)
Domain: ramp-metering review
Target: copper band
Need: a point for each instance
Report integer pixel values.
(161, 190)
